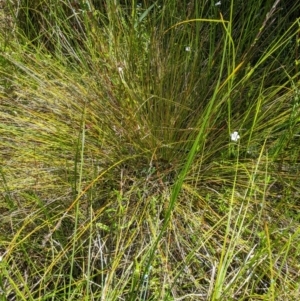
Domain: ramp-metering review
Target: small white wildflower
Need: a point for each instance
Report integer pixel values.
(218, 3)
(187, 48)
(235, 136)
(121, 73)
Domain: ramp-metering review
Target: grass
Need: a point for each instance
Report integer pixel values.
(119, 177)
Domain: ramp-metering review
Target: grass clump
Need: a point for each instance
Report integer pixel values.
(150, 151)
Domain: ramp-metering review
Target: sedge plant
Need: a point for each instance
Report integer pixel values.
(149, 150)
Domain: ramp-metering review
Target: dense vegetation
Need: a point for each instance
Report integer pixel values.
(149, 150)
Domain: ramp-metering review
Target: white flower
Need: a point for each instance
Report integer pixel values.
(218, 3)
(187, 48)
(235, 136)
(121, 73)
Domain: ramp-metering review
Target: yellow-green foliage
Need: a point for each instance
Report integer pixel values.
(149, 151)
